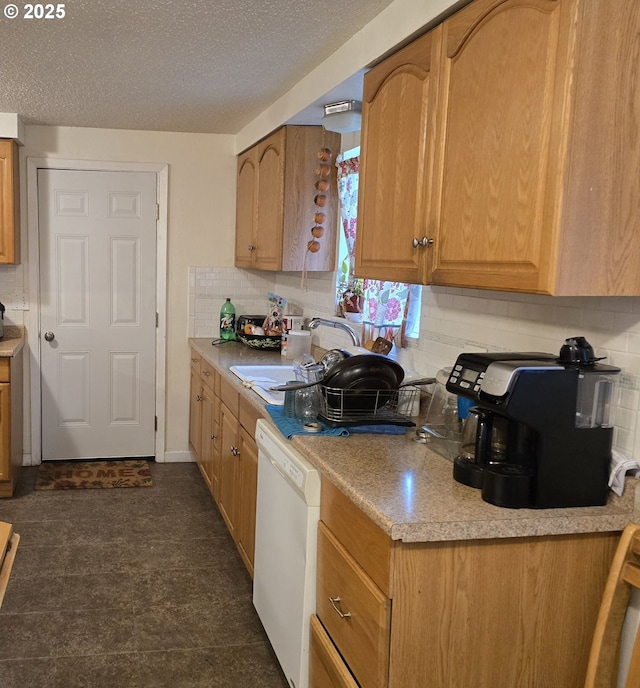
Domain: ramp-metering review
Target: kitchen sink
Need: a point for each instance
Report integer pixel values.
(260, 377)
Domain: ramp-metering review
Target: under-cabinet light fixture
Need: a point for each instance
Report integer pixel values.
(343, 117)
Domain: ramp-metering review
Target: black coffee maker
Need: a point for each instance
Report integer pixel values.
(543, 434)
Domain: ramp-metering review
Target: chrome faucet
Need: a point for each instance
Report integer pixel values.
(355, 338)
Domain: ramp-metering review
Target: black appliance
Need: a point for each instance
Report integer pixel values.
(543, 434)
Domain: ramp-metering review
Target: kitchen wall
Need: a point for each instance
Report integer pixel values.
(456, 320)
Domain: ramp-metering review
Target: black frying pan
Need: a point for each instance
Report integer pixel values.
(362, 383)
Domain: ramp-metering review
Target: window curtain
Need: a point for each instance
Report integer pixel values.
(385, 303)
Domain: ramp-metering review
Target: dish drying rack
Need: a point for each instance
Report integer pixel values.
(340, 407)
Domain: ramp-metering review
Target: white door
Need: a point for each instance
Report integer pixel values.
(97, 235)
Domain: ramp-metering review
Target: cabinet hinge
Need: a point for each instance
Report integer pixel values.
(157, 319)
(157, 211)
(155, 424)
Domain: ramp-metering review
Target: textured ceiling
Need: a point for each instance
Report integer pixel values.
(169, 65)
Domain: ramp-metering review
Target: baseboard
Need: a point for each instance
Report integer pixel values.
(169, 457)
(176, 457)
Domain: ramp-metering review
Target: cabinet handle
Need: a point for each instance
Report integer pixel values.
(251, 247)
(335, 603)
(206, 373)
(425, 241)
(214, 437)
(234, 451)
(194, 360)
(198, 397)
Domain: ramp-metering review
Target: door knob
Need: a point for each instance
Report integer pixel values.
(49, 336)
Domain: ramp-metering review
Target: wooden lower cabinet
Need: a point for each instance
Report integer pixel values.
(227, 496)
(221, 435)
(247, 490)
(326, 666)
(10, 423)
(355, 612)
(466, 614)
(8, 547)
(204, 413)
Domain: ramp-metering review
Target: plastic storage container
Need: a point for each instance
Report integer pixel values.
(298, 344)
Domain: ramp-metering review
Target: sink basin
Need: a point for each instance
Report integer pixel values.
(260, 377)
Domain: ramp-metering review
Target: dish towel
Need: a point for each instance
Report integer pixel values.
(620, 466)
(290, 426)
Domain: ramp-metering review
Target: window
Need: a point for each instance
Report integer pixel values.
(385, 309)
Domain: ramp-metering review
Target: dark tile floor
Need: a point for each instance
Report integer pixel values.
(129, 588)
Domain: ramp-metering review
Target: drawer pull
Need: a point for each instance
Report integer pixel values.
(335, 603)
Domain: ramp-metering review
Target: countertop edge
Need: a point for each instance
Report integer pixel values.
(13, 341)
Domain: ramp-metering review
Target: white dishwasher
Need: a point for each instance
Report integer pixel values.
(284, 571)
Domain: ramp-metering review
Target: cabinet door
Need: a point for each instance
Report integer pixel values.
(195, 412)
(502, 106)
(215, 449)
(247, 491)
(205, 458)
(9, 203)
(397, 135)
(5, 431)
(246, 209)
(227, 489)
(270, 160)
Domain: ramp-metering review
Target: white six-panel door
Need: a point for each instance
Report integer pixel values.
(97, 233)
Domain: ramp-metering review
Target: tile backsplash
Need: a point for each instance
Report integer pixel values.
(452, 321)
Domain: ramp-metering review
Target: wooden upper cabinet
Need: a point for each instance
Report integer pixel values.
(502, 104)
(531, 148)
(245, 209)
(9, 203)
(276, 209)
(394, 172)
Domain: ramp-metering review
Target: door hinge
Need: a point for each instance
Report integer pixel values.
(157, 211)
(156, 423)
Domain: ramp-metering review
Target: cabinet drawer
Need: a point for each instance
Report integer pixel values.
(361, 634)
(326, 667)
(195, 361)
(366, 542)
(249, 414)
(209, 375)
(229, 396)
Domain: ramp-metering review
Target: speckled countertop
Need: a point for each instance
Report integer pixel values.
(409, 491)
(12, 341)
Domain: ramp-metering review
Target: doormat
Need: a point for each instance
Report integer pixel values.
(78, 475)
